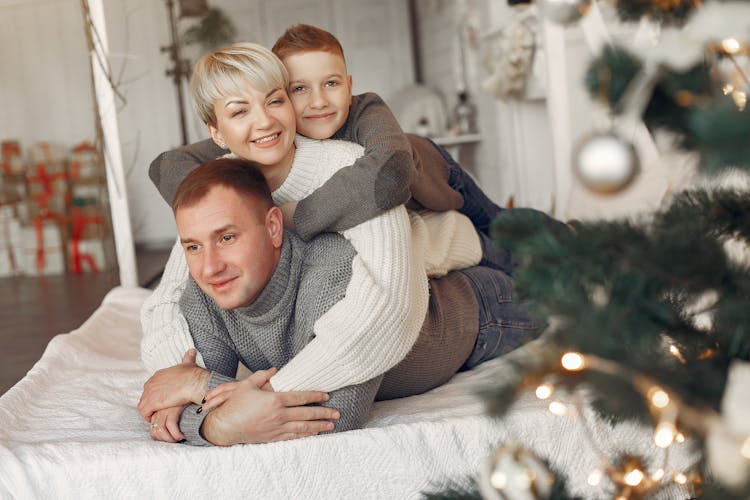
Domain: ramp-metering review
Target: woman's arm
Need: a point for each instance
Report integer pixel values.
(376, 323)
(166, 335)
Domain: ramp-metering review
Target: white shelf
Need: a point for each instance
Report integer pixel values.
(456, 140)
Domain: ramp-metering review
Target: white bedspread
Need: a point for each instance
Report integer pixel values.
(69, 429)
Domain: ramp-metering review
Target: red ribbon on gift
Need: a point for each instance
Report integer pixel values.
(79, 221)
(8, 150)
(46, 180)
(75, 165)
(39, 220)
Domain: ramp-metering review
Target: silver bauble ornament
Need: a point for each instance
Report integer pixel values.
(563, 11)
(604, 163)
(514, 472)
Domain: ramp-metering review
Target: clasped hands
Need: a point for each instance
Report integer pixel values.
(246, 411)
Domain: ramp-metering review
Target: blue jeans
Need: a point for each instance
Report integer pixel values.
(504, 325)
(477, 206)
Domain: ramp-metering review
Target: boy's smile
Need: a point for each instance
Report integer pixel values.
(320, 91)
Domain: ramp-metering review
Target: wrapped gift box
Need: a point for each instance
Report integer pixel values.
(87, 192)
(11, 161)
(85, 163)
(9, 229)
(40, 248)
(86, 250)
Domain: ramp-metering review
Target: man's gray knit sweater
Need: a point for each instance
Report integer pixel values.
(308, 280)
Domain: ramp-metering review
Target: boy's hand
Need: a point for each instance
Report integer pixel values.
(287, 210)
(174, 386)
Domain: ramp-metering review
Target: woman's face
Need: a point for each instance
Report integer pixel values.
(256, 126)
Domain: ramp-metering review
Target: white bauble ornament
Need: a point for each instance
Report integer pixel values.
(563, 11)
(514, 472)
(604, 163)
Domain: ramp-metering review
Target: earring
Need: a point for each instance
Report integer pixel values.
(223, 145)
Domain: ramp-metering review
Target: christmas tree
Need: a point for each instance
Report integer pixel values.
(651, 316)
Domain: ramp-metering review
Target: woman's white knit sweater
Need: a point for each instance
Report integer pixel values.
(379, 319)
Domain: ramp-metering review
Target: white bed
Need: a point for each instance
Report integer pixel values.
(70, 430)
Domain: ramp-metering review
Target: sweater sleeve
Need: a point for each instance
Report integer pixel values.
(374, 183)
(376, 323)
(169, 168)
(166, 335)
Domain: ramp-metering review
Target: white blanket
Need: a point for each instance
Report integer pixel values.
(70, 429)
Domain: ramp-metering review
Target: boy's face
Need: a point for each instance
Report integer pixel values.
(257, 126)
(232, 243)
(321, 92)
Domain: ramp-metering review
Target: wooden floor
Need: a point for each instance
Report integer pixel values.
(35, 309)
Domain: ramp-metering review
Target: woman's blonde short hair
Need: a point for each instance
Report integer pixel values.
(230, 70)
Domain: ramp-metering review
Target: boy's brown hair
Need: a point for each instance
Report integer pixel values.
(306, 38)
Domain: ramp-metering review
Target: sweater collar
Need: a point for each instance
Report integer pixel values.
(282, 287)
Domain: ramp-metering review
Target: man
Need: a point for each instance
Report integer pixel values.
(255, 296)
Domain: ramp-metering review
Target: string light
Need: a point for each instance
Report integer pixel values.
(731, 45)
(572, 361)
(745, 449)
(664, 434)
(657, 475)
(634, 477)
(499, 480)
(595, 477)
(558, 408)
(658, 397)
(680, 437)
(544, 391)
(680, 478)
(675, 351)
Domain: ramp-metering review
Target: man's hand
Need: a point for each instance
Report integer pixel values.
(251, 415)
(165, 425)
(174, 386)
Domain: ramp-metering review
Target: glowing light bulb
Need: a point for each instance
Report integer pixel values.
(659, 397)
(657, 475)
(595, 477)
(728, 88)
(634, 477)
(740, 99)
(675, 351)
(572, 361)
(544, 391)
(680, 478)
(664, 434)
(499, 480)
(745, 448)
(680, 437)
(558, 408)
(730, 45)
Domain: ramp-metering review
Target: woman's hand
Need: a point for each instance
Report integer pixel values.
(165, 425)
(248, 414)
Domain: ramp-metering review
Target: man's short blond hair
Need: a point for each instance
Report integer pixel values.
(229, 71)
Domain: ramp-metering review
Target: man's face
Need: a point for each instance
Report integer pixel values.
(257, 126)
(321, 92)
(232, 245)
